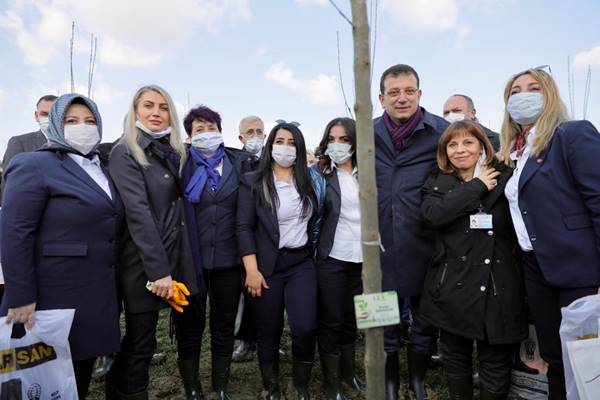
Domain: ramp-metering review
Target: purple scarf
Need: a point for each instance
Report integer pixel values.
(399, 133)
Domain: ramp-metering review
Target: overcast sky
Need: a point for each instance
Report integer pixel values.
(278, 58)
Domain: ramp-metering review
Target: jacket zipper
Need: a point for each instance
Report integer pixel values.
(443, 276)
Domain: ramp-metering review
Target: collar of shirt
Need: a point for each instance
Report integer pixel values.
(282, 184)
(354, 170)
(530, 138)
(83, 161)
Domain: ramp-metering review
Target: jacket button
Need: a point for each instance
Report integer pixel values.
(482, 288)
(524, 212)
(463, 258)
(167, 176)
(490, 233)
(435, 188)
(182, 223)
(486, 261)
(497, 261)
(532, 238)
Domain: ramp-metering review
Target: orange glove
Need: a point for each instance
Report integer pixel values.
(178, 301)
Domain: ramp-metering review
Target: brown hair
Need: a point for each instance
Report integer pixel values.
(462, 127)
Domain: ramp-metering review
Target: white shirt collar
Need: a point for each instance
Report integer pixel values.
(82, 161)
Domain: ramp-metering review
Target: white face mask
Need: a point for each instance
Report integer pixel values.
(253, 145)
(284, 155)
(525, 107)
(44, 123)
(82, 137)
(156, 135)
(207, 142)
(339, 152)
(454, 117)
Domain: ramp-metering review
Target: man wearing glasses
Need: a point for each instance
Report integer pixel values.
(406, 138)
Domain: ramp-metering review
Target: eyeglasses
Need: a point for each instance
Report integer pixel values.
(545, 68)
(408, 92)
(283, 121)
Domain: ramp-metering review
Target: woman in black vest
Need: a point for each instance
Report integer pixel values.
(473, 289)
(339, 257)
(276, 208)
(211, 182)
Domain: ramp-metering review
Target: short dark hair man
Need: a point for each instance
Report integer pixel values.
(406, 138)
(33, 140)
(461, 106)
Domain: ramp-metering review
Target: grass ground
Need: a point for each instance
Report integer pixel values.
(245, 382)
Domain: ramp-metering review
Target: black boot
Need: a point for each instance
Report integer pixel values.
(220, 376)
(348, 361)
(460, 387)
(330, 364)
(391, 376)
(417, 368)
(191, 381)
(133, 396)
(270, 377)
(301, 377)
(485, 394)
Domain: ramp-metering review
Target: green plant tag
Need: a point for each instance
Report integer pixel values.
(376, 309)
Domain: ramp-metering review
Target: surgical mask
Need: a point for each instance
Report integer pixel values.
(44, 123)
(454, 117)
(207, 142)
(339, 152)
(525, 107)
(82, 137)
(156, 135)
(284, 155)
(253, 145)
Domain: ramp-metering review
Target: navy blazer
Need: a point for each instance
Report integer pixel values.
(559, 198)
(331, 214)
(407, 242)
(60, 246)
(213, 228)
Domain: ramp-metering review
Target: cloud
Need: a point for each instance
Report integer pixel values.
(322, 90)
(135, 32)
(589, 57)
(424, 15)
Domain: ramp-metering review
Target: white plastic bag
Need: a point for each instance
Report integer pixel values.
(38, 366)
(579, 319)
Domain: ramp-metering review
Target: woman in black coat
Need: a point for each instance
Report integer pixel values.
(473, 288)
(145, 166)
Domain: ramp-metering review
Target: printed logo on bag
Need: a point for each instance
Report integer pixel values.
(25, 357)
(34, 392)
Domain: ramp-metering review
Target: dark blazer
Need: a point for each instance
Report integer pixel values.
(331, 214)
(494, 137)
(559, 198)
(407, 242)
(155, 241)
(258, 228)
(60, 247)
(24, 143)
(214, 219)
(474, 286)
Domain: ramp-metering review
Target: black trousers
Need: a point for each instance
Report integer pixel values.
(83, 375)
(545, 302)
(422, 336)
(224, 286)
(293, 288)
(130, 371)
(495, 361)
(337, 282)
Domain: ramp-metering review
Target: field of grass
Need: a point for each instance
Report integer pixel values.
(245, 382)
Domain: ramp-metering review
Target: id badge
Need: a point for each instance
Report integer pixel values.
(481, 221)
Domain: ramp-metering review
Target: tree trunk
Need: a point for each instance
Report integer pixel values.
(365, 154)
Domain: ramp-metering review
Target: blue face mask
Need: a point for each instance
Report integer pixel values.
(339, 152)
(525, 107)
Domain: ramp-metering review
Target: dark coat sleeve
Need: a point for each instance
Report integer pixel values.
(246, 219)
(141, 223)
(25, 199)
(13, 148)
(441, 207)
(583, 148)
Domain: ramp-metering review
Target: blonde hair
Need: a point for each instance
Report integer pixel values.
(553, 114)
(132, 134)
